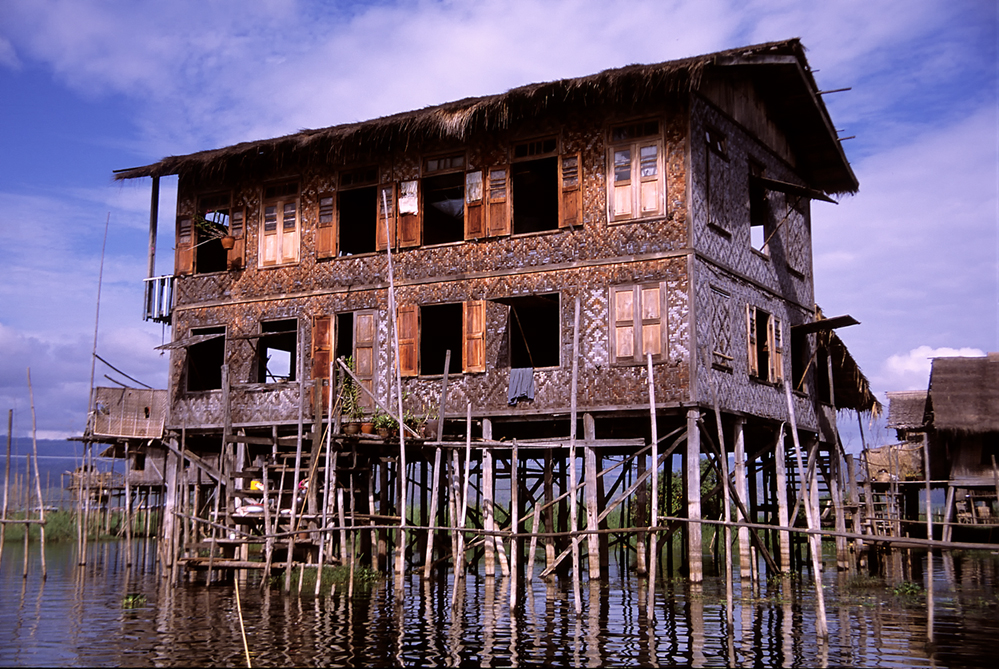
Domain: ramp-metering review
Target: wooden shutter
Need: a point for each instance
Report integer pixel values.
(385, 226)
(410, 228)
(473, 321)
(237, 228)
(570, 178)
(754, 364)
(184, 263)
(269, 238)
(776, 350)
(365, 333)
(474, 214)
(620, 184)
(408, 319)
(498, 201)
(623, 323)
(649, 179)
(326, 228)
(652, 298)
(322, 349)
(289, 230)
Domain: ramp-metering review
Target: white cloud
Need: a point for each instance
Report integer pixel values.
(8, 57)
(911, 371)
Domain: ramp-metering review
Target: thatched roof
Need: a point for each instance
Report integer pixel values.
(964, 394)
(778, 69)
(906, 409)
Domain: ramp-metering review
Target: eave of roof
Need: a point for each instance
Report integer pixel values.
(782, 73)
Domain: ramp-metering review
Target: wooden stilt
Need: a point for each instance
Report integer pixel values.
(514, 523)
(726, 512)
(549, 508)
(590, 495)
(642, 504)
(435, 480)
(811, 516)
(488, 497)
(693, 476)
(573, 522)
(780, 485)
(742, 492)
(650, 607)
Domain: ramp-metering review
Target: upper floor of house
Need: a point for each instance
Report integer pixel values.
(718, 155)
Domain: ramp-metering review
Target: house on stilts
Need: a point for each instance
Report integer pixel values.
(575, 282)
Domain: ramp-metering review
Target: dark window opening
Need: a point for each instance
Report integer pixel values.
(211, 223)
(205, 360)
(762, 346)
(759, 210)
(440, 330)
(534, 327)
(800, 355)
(822, 389)
(357, 220)
(990, 448)
(444, 209)
(535, 195)
(345, 335)
(716, 142)
(276, 350)
(139, 462)
(538, 147)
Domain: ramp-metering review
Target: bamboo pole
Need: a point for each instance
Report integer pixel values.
(929, 535)
(38, 478)
(573, 523)
(746, 565)
(514, 524)
(298, 471)
(815, 540)
(128, 510)
(780, 482)
(727, 511)
(435, 473)
(6, 480)
(650, 607)
(326, 482)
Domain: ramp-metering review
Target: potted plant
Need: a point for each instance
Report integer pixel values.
(350, 395)
(384, 424)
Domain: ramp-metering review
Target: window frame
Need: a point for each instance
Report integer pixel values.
(287, 244)
(638, 323)
(214, 331)
(636, 136)
(772, 347)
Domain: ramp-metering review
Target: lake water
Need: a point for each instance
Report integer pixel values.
(109, 615)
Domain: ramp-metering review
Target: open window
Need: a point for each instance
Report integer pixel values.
(200, 248)
(279, 225)
(205, 357)
(444, 199)
(535, 186)
(534, 330)
(356, 211)
(354, 339)
(760, 224)
(638, 323)
(277, 351)
(765, 338)
(427, 332)
(636, 184)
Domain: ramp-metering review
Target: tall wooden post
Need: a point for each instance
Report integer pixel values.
(592, 540)
(549, 510)
(642, 503)
(780, 483)
(742, 490)
(693, 475)
(572, 464)
(488, 497)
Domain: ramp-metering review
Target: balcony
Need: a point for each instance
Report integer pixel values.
(158, 299)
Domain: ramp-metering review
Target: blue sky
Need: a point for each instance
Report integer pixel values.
(89, 87)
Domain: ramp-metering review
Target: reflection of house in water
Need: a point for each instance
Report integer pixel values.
(958, 418)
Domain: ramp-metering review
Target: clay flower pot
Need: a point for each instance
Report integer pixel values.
(227, 242)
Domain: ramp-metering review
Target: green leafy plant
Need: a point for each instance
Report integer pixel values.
(383, 421)
(350, 395)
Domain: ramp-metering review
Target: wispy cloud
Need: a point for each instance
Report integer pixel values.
(911, 371)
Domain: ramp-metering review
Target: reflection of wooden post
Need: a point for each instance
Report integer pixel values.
(694, 543)
(742, 491)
